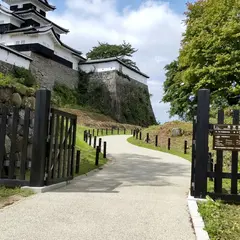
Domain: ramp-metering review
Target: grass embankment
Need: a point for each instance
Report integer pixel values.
(10, 195)
(164, 132)
(88, 153)
(222, 220)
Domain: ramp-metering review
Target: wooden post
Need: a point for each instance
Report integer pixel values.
(219, 160)
(102, 132)
(185, 147)
(140, 136)
(106, 131)
(90, 140)
(112, 130)
(42, 110)
(124, 131)
(100, 144)
(156, 141)
(78, 162)
(202, 143)
(136, 134)
(95, 142)
(234, 167)
(93, 132)
(147, 137)
(105, 150)
(192, 186)
(118, 131)
(97, 132)
(169, 143)
(97, 156)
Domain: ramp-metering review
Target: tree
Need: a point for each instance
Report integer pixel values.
(122, 51)
(209, 57)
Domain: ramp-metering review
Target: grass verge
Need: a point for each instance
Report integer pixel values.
(222, 221)
(88, 153)
(10, 195)
(141, 143)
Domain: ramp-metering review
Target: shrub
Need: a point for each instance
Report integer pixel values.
(24, 76)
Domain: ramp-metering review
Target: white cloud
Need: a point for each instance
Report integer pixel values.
(154, 29)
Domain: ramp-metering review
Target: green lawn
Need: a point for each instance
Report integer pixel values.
(222, 221)
(88, 153)
(141, 143)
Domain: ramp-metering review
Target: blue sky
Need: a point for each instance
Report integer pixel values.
(176, 5)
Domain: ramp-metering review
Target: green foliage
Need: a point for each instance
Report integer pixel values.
(63, 95)
(99, 97)
(17, 84)
(135, 106)
(25, 76)
(122, 51)
(82, 88)
(221, 220)
(7, 192)
(209, 57)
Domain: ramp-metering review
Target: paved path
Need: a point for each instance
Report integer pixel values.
(140, 195)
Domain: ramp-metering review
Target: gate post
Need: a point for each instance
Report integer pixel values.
(200, 188)
(42, 110)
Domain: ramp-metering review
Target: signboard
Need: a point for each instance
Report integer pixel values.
(226, 137)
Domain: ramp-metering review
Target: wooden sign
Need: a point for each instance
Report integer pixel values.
(226, 137)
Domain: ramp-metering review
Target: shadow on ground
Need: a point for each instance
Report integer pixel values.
(131, 170)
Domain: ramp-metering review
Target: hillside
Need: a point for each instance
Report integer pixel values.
(93, 119)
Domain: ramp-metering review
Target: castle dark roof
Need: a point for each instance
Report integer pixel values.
(46, 29)
(64, 30)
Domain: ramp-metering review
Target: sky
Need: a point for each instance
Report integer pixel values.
(153, 27)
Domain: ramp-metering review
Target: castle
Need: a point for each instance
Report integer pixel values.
(25, 28)
(30, 40)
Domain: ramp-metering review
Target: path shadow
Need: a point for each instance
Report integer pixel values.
(131, 170)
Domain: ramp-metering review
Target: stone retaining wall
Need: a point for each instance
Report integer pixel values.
(12, 97)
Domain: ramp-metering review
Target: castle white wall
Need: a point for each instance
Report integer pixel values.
(113, 65)
(14, 59)
(5, 19)
(134, 75)
(46, 40)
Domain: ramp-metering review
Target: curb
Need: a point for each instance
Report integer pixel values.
(46, 188)
(197, 221)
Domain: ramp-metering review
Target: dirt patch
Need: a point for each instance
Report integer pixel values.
(4, 202)
(96, 120)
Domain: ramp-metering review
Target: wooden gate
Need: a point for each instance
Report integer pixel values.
(61, 146)
(36, 148)
(215, 165)
(15, 146)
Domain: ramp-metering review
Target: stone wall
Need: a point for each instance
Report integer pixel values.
(10, 97)
(126, 100)
(5, 67)
(47, 72)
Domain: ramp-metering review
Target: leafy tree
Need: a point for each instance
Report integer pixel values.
(209, 57)
(122, 51)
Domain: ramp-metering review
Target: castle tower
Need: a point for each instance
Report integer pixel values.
(24, 26)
